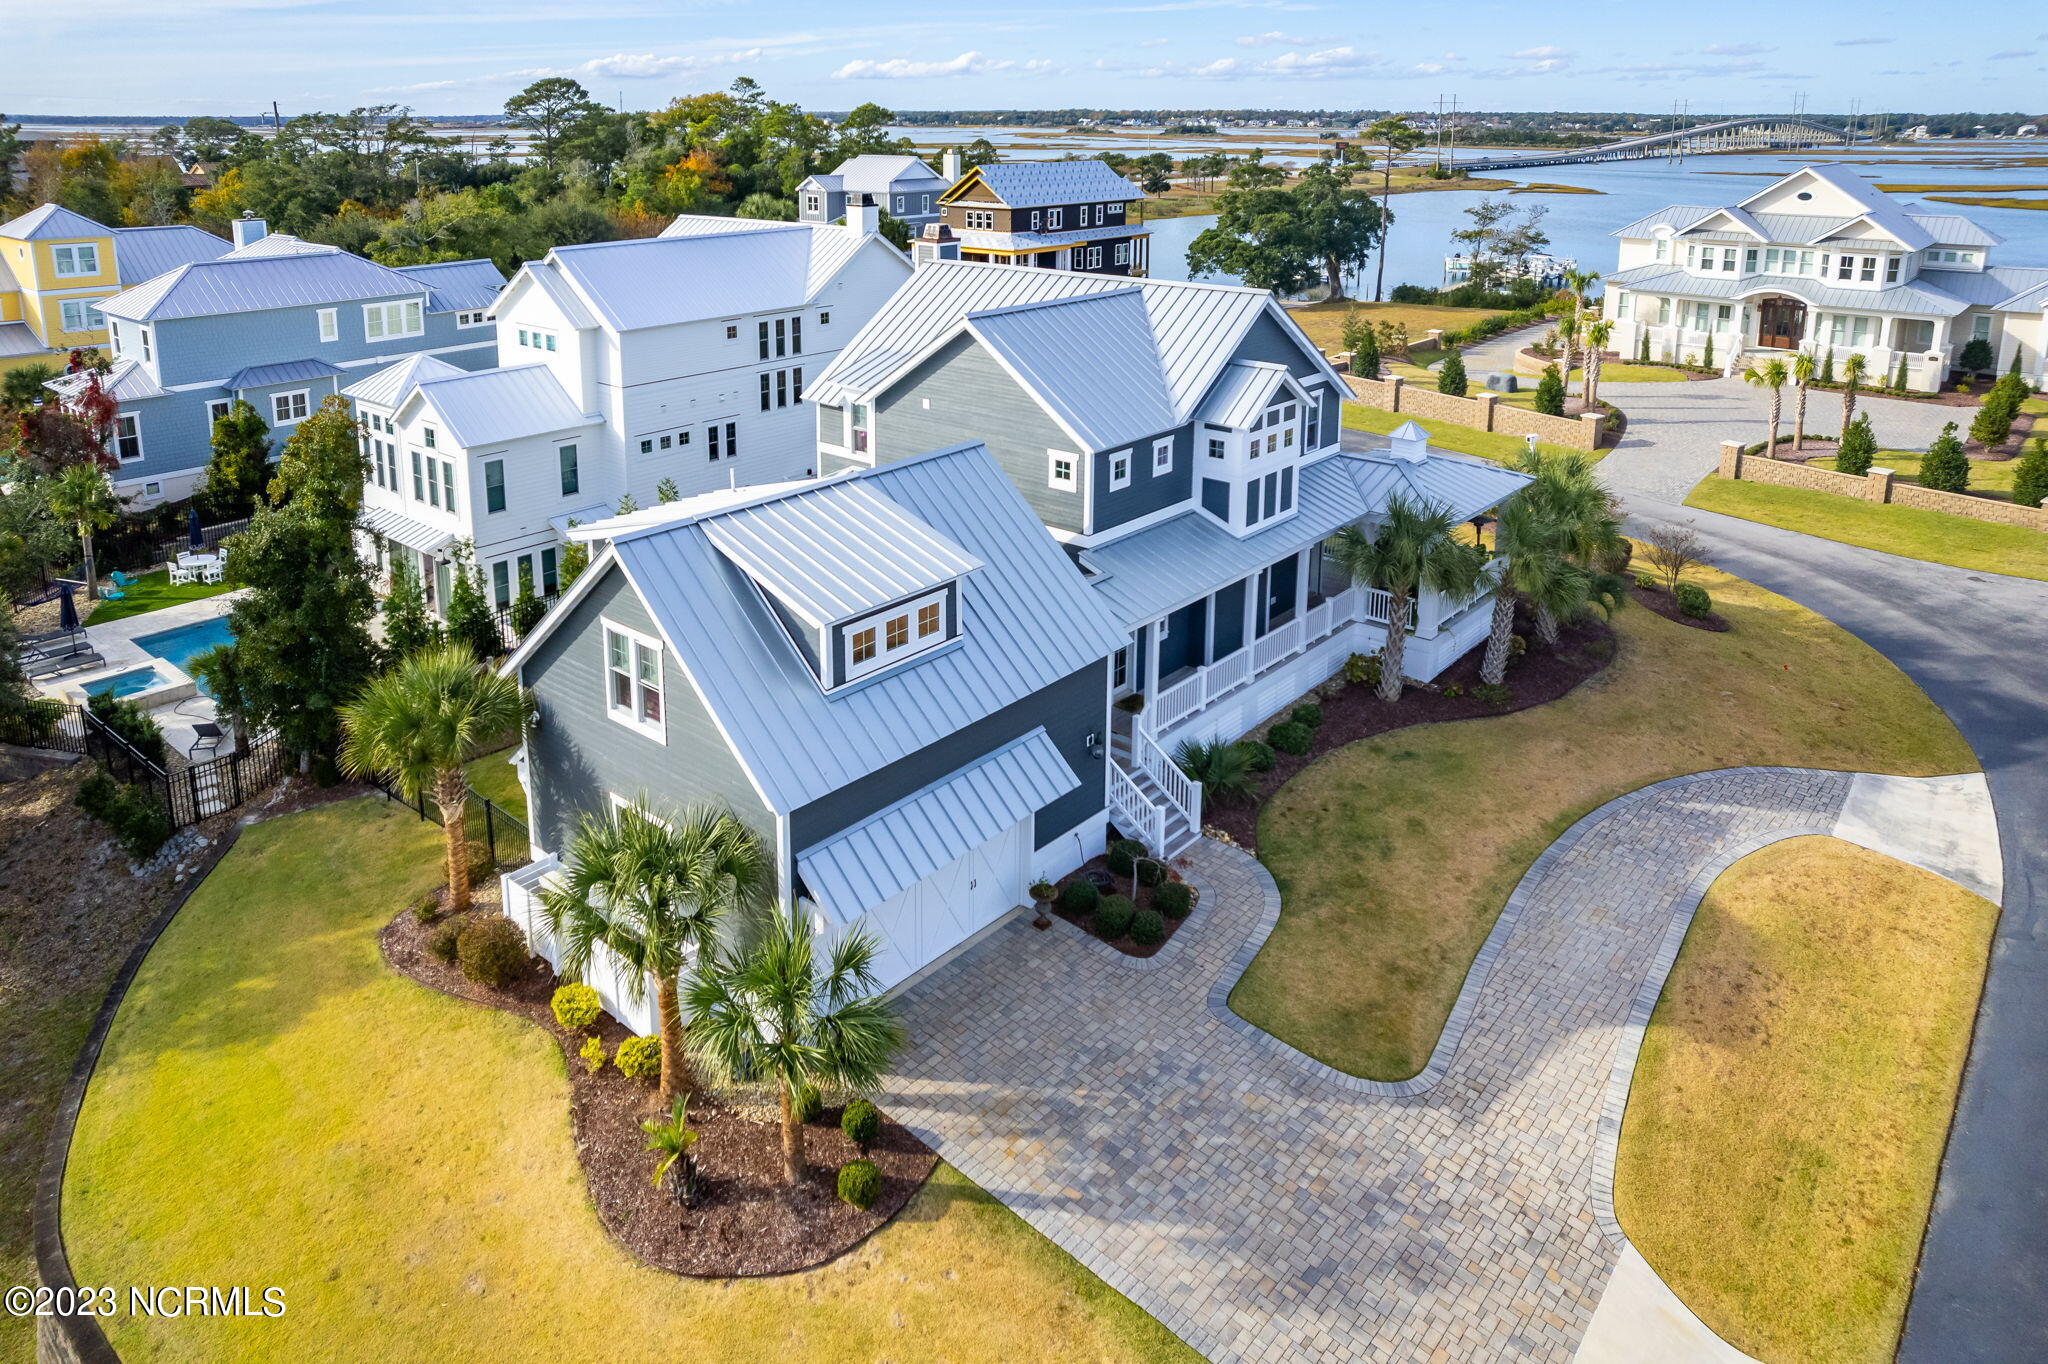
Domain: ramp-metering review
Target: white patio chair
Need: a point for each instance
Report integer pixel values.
(181, 573)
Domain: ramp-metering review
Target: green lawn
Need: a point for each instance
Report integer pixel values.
(1498, 446)
(153, 592)
(1324, 322)
(277, 1107)
(492, 777)
(1937, 537)
(1789, 1108)
(1394, 855)
(1986, 475)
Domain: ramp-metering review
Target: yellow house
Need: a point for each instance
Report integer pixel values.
(55, 265)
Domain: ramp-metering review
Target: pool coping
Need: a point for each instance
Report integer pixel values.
(116, 642)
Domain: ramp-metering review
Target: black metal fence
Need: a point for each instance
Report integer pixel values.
(210, 537)
(509, 637)
(489, 820)
(189, 793)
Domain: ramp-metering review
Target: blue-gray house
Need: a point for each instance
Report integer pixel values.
(280, 323)
(894, 675)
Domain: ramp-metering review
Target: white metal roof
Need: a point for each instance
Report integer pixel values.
(1243, 391)
(1091, 358)
(283, 372)
(1028, 620)
(412, 534)
(17, 339)
(142, 253)
(879, 172)
(892, 850)
(52, 222)
(488, 406)
(282, 244)
(832, 558)
(457, 285)
(1034, 184)
(388, 386)
(1920, 296)
(127, 381)
(235, 284)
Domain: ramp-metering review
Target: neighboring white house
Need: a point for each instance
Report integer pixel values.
(1822, 260)
(675, 359)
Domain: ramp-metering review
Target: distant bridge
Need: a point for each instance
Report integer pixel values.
(1756, 132)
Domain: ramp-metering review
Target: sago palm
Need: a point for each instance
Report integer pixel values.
(418, 723)
(1804, 368)
(654, 893)
(1413, 549)
(1853, 370)
(1770, 375)
(82, 498)
(776, 1010)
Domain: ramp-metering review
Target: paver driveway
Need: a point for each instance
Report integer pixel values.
(1266, 1207)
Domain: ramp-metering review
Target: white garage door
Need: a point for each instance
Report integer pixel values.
(951, 905)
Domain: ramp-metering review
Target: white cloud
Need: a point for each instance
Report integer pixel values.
(1330, 61)
(966, 64)
(618, 66)
(1271, 38)
(1541, 54)
(1736, 49)
(1155, 42)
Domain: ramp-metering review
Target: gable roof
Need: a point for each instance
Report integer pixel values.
(1243, 391)
(282, 244)
(1034, 184)
(798, 743)
(1906, 223)
(1923, 294)
(457, 285)
(126, 381)
(698, 269)
(142, 253)
(1161, 346)
(388, 386)
(490, 406)
(873, 171)
(52, 222)
(237, 283)
(283, 372)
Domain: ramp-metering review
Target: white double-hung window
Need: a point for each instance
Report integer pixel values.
(288, 407)
(632, 680)
(387, 321)
(330, 324)
(1162, 457)
(78, 315)
(71, 262)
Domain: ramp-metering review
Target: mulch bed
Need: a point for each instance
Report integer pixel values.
(1354, 711)
(746, 1221)
(1096, 869)
(1657, 600)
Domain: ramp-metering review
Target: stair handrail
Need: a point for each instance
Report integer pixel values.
(1183, 790)
(1131, 802)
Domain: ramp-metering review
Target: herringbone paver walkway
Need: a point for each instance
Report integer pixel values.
(1265, 1207)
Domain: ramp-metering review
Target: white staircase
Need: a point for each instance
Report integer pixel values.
(1160, 803)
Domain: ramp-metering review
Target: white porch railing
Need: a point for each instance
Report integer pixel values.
(1147, 820)
(1183, 790)
(1189, 695)
(1278, 646)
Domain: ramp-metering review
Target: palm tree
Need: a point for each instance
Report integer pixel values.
(1534, 569)
(654, 892)
(1852, 377)
(1578, 281)
(1395, 135)
(672, 1138)
(1567, 334)
(1412, 550)
(776, 1011)
(1771, 375)
(1597, 334)
(1573, 516)
(418, 723)
(82, 496)
(1803, 369)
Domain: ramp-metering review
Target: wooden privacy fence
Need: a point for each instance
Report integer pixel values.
(1879, 485)
(1482, 412)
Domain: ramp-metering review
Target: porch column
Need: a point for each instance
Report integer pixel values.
(1252, 593)
(1300, 583)
(1151, 712)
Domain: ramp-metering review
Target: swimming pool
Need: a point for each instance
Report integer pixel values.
(126, 684)
(178, 647)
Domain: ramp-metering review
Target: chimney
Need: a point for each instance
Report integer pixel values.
(863, 214)
(949, 165)
(249, 228)
(936, 242)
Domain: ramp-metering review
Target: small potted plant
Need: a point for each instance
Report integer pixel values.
(1042, 895)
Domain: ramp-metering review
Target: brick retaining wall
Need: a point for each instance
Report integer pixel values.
(1878, 485)
(1483, 412)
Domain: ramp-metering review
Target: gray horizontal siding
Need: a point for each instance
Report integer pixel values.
(1147, 492)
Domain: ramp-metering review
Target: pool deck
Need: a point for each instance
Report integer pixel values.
(115, 640)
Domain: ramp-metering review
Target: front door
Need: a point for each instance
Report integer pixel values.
(1781, 323)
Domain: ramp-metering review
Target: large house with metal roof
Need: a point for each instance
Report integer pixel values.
(56, 266)
(905, 187)
(1823, 261)
(894, 675)
(1064, 215)
(679, 359)
(1181, 441)
(280, 323)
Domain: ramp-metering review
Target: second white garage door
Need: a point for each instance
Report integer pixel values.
(949, 906)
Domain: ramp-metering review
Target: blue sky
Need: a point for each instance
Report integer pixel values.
(460, 56)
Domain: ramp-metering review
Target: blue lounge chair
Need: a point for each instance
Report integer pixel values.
(121, 579)
(112, 594)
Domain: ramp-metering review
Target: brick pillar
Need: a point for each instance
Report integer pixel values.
(1394, 383)
(1877, 486)
(1488, 401)
(1594, 422)
(1433, 338)
(1731, 459)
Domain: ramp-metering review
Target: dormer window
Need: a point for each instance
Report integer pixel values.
(72, 262)
(896, 633)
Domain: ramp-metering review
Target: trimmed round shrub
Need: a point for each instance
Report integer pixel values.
(1174, 899)
(1307, 713)
(1291, 737)
(1079, 896)
(860, 1183)
(805, 1104)
(491, 951)
(575, 1007)
(1123, 854)
(1151, 872)
(441, 944)
(1693, 600)
(1113, 916)
(1147, 927)
(861, 1123)
(1647, 581)
(1258, 756)
(639, 1058)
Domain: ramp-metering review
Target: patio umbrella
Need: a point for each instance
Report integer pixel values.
(196, 536)
(67, 610)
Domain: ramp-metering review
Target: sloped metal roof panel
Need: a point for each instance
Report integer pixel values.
(701, 268)
(388, 386)
(1034, 184)
(143, 253)
(406, 531)
(1241, 393)
(1677, 217)
(281, 244)
(1915, 296)
(1953, 229)
(253, 283)
(838, 555)
(1462, 486)
(283, 372)
(891, 851)
(1091, 358)
(17, 339)
(51, 222)
(488, 406)
(457, 285)
(1028, 621)
(873, 173)
(127, 381)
